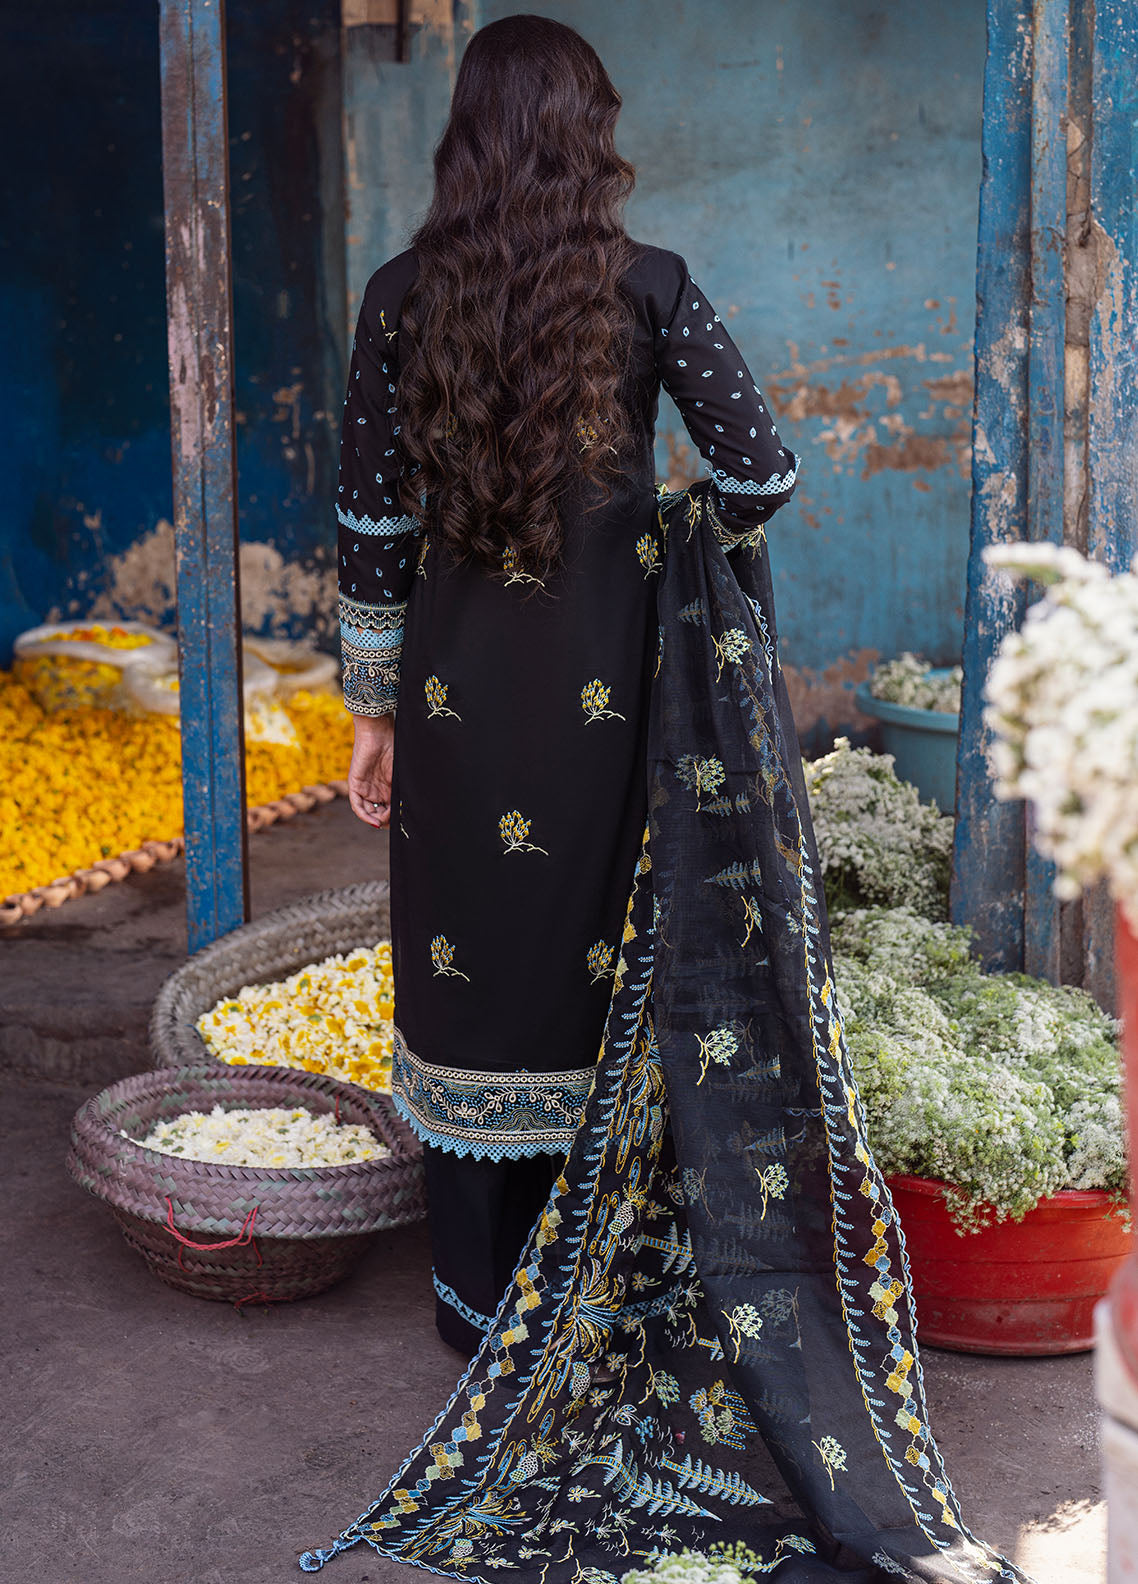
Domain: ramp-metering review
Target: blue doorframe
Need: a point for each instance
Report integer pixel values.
(1055, 433)
(195, 158)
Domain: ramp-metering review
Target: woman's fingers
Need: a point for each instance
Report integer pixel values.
(368, 809)
(369, 776)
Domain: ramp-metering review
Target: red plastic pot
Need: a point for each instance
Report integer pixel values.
(1016, 1287)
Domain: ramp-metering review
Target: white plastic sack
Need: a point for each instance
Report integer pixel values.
(299, 666)
(65, 671)
(154, 688)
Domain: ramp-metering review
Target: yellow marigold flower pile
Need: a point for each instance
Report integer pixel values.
(113, 637)
(77, 785)
(334, 1017)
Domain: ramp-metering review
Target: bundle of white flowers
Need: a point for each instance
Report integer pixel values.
(911, 681)
(1063, 706)
(264, 1136)
(1005, 1086)
(720, 1564)
(332, 1017)
(877, 842)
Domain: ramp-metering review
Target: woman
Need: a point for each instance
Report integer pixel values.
(695, 1326)
(499, 554)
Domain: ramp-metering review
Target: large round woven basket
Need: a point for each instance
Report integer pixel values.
(271, 948)
(235, 1232)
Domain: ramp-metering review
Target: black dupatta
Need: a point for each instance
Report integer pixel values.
(710, 1338)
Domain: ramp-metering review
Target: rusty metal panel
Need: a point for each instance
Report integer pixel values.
(989, 857)
(200, 314)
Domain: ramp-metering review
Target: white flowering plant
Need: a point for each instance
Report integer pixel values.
(1004, 1086)
(1063, 707)
(879, 845)
(913, 681)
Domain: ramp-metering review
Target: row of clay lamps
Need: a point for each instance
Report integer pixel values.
(24, 903)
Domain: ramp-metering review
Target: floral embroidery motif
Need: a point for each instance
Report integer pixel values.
(731, 647)
(773, 1182)
(700, 775)
(666, 1387)
(514, 831)
(648, 554)
(594, 702)
(442, 955)
(587, 434)
(719, 1045)
(833, 1456)
(722, 1415)
(744, 1321)
(599, 961)
(436, 692)
(778, 1306)
(513, 569)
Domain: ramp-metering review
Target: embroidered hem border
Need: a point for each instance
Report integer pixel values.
(480, 1322)
(488, 1115)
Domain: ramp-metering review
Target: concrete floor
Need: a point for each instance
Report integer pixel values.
(153, 1438)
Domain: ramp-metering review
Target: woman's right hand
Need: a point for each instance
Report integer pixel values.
(369, 775)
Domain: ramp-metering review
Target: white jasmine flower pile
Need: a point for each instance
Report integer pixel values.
(1003, 1085)
(1063, 704)
(334, 1017)
(264, 1136)
(911, 681)
(879, 844)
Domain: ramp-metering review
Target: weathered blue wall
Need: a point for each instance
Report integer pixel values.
(84, 438)
(818, 164)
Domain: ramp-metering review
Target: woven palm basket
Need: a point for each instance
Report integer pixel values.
(243, 1233)
(271, 948)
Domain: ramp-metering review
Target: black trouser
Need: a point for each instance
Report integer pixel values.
(482, 1213)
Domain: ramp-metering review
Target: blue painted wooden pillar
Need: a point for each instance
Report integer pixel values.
(989, 859)
(1056, 426)
(1046, 366)
(195, 160)
(1112, 418)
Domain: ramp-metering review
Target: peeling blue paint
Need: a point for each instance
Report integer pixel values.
(818, 166)
(84, 419)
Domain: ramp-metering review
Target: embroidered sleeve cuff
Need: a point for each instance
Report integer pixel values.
(742, 506)
(371, 643)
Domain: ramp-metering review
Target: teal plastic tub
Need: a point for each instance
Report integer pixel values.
(922, 742)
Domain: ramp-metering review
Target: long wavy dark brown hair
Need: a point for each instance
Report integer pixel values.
(514, 336)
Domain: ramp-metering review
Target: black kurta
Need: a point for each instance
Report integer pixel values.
(520, 787)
